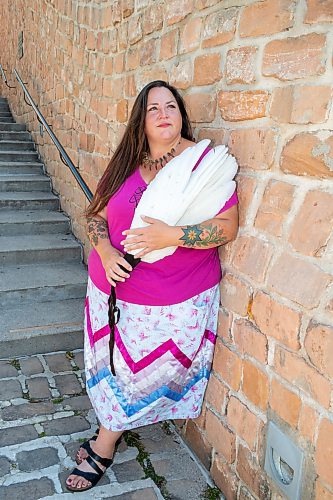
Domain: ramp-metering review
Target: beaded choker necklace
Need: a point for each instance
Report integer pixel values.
(148, 162)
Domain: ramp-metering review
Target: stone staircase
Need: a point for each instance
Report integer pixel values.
(42, 277)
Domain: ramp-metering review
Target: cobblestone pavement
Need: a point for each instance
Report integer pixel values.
(45, 413)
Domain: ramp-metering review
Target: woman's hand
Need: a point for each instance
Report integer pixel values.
(153, 237)
(111, 263)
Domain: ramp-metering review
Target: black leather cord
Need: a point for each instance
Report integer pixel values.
(114, 311)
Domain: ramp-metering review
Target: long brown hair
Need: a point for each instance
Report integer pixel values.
(133, 145)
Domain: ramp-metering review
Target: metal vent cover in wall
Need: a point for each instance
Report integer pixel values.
(284, 462)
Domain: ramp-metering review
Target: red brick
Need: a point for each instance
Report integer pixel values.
(228, 365)
(319, 346)
(307, 423)
(216, 393)
(217, 136)
(169, 44)
(203, 4)
(190, 35)
(249, 341)
(201, 107)
(312, 226)
(301, 104)
(254, 148)
(267, 17)
(295, 369)
(252, 257)
(198, 443)
(235, 295)
(324, 452)
(224, 478)
(245, 191)
(274, 207)
(237, 105)
(220, 437)
(132, 59)
(122, 110)
(148, 52)
(176, 11)
(219, 27)
(135, 29)
(322, 492)
(276, 320)
(224, 326)
(298, 280)
(291, 58)
(285, 403)
(127, 7)
(251, 474)
(307, 154)
(181, 74)
(241, 65)
(207, 69)
(243, 421)
(152, 19)
(146, 76)
(319, 11)
(255, 385)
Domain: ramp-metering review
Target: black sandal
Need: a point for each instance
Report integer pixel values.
(92, 477)
(86, 446)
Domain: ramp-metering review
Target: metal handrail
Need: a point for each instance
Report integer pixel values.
(63, 155)
(5, 78)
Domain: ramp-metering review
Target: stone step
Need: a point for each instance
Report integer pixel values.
(18, 222)
(15, 168)
(42, 283)
(7, 119)
(4, 106)
(15, 136)
(16, 156)
(38, 200)
(14, 127)
(28, 249)
(41, 327)
(16, 145)
(24, 182)
(5, 113)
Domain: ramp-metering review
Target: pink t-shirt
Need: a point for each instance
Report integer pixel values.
(173, 279)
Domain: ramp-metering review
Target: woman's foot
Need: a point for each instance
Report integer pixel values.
(76, 481)
(82, 453)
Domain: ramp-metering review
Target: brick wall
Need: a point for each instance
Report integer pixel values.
(256, 76)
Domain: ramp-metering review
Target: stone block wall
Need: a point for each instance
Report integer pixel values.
(257, 76)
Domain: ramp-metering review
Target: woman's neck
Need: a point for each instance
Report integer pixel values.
(158, 150)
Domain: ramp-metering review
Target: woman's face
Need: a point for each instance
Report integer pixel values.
(163, 121)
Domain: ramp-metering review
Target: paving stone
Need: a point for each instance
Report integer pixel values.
(30, 490)
(38, 388)
(66, 425)
(68, 384)
(31, 366)
(143, 494)
(4, 466)
(7, 370)
(72, 449)
(78, 402)
(17, 435)
(79, 359)
(153, 446)
(178, 466)
(128, 471)
(10, 389)
(187, 489)
(37, 459)
(64, 475)
(58, 363)
(27, 410)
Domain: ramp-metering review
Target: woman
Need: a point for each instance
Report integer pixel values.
(165, 337)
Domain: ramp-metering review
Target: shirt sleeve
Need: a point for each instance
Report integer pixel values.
(233, 200)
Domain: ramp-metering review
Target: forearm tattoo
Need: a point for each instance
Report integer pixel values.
(203, 235)
(97, 230)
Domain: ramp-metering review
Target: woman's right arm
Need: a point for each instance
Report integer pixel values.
(112, 259)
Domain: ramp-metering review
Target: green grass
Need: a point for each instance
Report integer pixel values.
(15, 363)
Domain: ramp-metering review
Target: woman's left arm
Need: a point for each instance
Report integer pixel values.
(208, 234)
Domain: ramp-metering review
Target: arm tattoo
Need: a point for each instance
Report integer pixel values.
(97, 229)
(201, 235)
